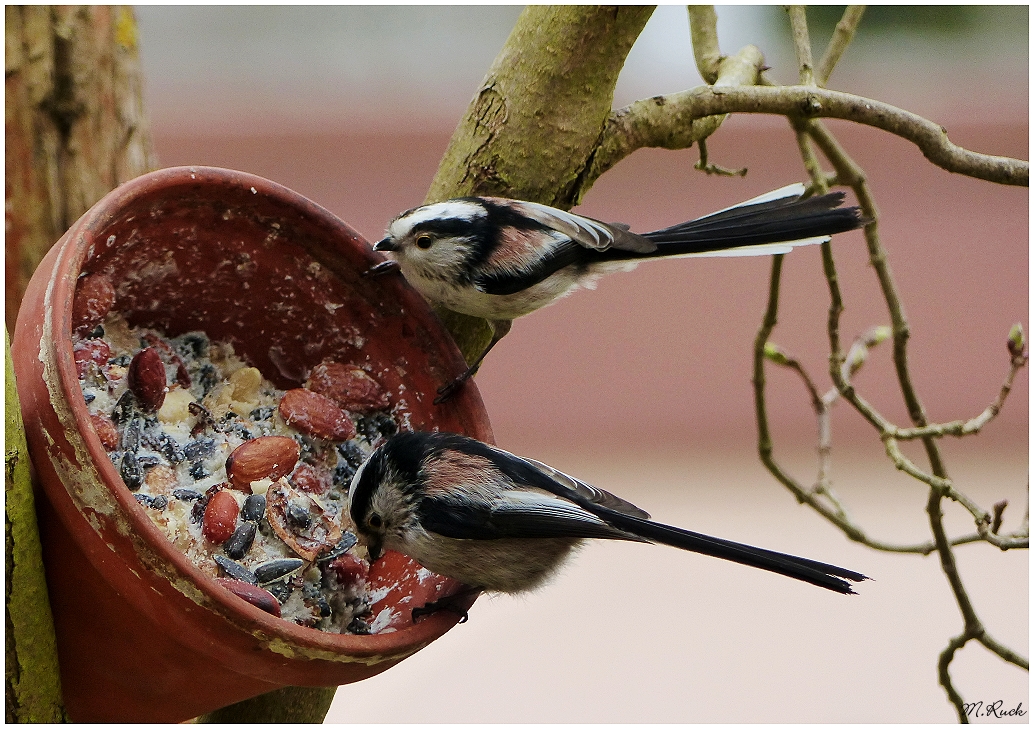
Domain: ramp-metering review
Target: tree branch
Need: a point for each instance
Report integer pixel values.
(801, 43)
(959, 428)
(944, 677)
(843, 34)
(937, 479)
(655, 122)
(703, 31)
(650, 123)
(542, 106)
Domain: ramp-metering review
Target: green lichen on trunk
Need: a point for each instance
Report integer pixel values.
(289, 705)
(32, 682)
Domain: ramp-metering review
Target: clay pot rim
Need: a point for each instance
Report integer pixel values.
(81, 236)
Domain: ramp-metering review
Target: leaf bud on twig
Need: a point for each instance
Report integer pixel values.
(1017, 341)
(775, 355)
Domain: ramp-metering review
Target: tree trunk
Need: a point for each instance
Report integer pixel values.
(74, 129)
(32, 685)
(75, 125)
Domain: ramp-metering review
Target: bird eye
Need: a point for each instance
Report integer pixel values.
(375, 521)
(424, 241)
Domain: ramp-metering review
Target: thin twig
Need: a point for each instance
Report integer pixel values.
(1003, 652)
(944, 677)
(703, 29)
(820, 180)
(940, 484)
(843, 34)
(834, 512)
(712, 169)
(648, 123)
(841, 368)
(960, 428)
(801, 43)
(822, 405)
(848, 170)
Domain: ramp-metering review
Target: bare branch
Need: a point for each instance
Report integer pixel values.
(712, 169)
(941, 484)
(960, 428)
(945, 678)
(1003, 652)
(652, 123)
(834, 511)
(820, 184)
(843, 34)
(703, 29)
(998, 512)
(801, 43)
(842, 368)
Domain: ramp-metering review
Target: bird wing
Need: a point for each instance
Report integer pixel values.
(535, 474)
(525, 498)
(587, 491)
(635, 525)
(586, 232)
(575, 235)
(500, 495)
(501, 282)
(513, 514)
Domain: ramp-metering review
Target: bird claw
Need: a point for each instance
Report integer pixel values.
(449, 389)
(382, 268)
(446, 603)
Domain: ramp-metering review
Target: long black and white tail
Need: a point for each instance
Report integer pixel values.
(772, 223)
(800, 568)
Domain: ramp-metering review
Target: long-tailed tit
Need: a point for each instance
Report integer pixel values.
(500, 259)
(502, 523)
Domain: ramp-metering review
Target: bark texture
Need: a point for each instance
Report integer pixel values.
(74, 123)
(74, 129)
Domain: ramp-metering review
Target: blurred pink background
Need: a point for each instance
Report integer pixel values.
(643, 386)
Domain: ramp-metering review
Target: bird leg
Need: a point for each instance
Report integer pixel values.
(500, 328)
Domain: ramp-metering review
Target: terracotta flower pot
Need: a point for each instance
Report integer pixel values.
(143, 635)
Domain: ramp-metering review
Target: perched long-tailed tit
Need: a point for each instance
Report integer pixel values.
(501, 259)
(502, 523)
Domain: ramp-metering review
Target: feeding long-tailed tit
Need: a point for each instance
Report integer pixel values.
(500, 259)
(502, 523)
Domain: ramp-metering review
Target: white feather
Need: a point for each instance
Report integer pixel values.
(538, 502)
(764, 249)
(448, 210)
(584, 231)
(794, 190)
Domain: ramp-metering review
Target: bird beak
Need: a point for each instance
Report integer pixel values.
(374, 550)
(386, 244)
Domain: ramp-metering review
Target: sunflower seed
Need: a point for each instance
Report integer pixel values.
(276, 569)
(240, 542)
(235, 570)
